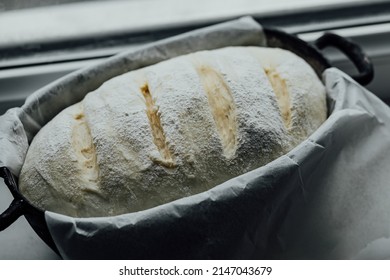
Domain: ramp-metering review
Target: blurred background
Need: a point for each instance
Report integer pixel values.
(7, 5)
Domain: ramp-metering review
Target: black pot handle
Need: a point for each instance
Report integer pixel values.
(353, 52)
(17, 207)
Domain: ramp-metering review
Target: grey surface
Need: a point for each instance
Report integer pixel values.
(19, 241)
(7, 5)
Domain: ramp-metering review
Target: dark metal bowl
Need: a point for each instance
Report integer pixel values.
(275, 38)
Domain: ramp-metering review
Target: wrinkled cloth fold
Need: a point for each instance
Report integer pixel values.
(326, 199)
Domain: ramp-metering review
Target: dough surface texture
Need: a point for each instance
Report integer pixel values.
(171, 130)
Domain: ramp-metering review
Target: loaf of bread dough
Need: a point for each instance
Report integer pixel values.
(171, 130)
